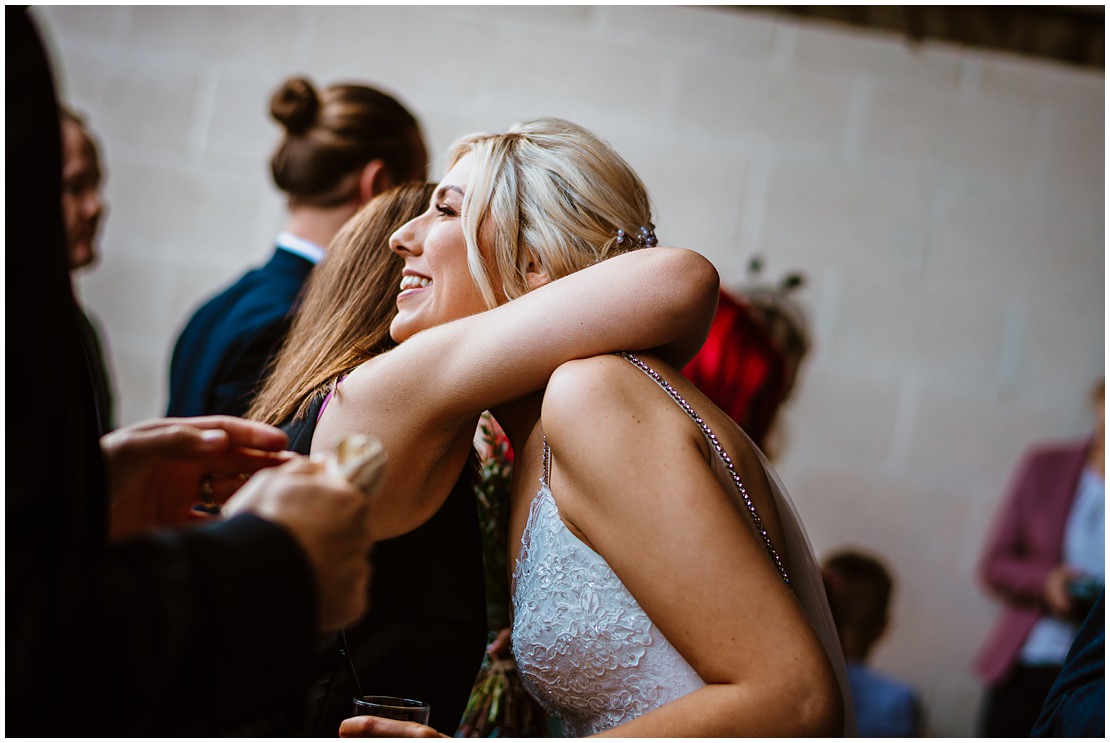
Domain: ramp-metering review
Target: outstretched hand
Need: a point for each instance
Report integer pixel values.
(366, 726)
(159, 469)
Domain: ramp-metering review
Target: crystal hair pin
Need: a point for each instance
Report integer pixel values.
(645, 239)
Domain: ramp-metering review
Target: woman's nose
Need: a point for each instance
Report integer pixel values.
(405, 239)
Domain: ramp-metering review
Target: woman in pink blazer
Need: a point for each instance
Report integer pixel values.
(1043, 557)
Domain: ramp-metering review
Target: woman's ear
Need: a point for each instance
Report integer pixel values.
(536, 275)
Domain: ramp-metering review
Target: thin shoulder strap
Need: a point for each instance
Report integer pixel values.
(545, 479)
(722, 455)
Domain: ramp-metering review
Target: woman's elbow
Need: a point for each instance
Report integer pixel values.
(820, 711)
(695, 274)
(814, 701)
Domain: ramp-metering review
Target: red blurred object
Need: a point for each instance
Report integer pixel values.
(743, 367)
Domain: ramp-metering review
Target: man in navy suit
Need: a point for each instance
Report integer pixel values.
(342, 147)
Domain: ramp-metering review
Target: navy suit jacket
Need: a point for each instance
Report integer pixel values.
(221, 355)
(1076, 704)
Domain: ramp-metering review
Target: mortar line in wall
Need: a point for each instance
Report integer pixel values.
(204, 110)
(306, 31)
(1015, 326)
(937, 206)
(786, 40)
(855, 126)
(971, 77)
(905, 419)
(753, 203)
(121, 24)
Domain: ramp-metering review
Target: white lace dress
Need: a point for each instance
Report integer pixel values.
(583, 646)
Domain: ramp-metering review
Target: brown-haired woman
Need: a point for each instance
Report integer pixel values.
(425, 631)
(342, 146)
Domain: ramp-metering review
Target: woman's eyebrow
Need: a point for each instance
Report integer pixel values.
(447, 187)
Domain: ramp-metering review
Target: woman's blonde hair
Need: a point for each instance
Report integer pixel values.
(547, 195)
(348, 304)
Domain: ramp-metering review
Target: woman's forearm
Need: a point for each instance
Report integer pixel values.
(662, 299)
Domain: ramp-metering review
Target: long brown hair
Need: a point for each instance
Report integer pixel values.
(348, 303)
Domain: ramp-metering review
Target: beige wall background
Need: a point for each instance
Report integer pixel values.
(946, 205)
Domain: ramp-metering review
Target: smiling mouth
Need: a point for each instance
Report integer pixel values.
(414, 282)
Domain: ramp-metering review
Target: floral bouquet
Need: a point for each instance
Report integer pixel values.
(499, 705)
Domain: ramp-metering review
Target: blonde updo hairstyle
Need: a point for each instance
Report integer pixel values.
(548, 194)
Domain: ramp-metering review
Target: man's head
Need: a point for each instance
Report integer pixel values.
(82, 202)
(345, 143)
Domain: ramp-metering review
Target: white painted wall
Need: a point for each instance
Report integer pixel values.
(945, 203)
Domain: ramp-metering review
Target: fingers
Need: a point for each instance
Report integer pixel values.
(502, 644)
(240, 432)
(201, 435)
(380, 727)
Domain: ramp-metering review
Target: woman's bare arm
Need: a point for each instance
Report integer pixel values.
(422, 399)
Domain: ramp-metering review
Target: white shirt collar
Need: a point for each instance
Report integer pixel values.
(306, 249)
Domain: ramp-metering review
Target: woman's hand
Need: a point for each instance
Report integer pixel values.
(1056, 596)
(365, 726)
(159, 469)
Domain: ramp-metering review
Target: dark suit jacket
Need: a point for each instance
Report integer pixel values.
(97, 365)
(221, 355)
(185, 634)
(1026, 543)
(424, 635)
(1076, 704)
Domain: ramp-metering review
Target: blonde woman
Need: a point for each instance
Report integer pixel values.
(662, 583)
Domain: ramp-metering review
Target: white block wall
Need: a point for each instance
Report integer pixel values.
(945, 203)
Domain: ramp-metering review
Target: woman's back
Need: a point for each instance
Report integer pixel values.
(589, 649)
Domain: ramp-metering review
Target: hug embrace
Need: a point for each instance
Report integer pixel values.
(662, 583)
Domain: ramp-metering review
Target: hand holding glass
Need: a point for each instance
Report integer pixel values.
(394, 708)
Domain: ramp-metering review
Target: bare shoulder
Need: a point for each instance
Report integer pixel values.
(595, 392)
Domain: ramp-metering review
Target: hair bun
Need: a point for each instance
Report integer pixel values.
(295, 105)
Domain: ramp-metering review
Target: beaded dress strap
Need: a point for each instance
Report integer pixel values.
(722, 455)
(545, 480)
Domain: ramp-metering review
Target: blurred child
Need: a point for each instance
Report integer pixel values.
(859, 589)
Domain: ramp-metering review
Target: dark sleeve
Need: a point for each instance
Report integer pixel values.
(219, 619)
(1076, 704)
(240, 378)
(97, 365)
(180, 634)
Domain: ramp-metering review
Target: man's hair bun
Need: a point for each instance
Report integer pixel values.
(295, 105)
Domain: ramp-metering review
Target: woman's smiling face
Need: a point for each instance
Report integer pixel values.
(436, 286)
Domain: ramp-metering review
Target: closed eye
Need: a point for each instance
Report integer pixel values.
(446, 210)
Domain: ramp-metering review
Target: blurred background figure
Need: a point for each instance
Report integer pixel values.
(1045, 560)
(83, 208)
(859, 587)
(750, 360)
(342, 147)
(222, 616)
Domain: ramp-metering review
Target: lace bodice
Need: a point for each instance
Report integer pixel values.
(583, 646)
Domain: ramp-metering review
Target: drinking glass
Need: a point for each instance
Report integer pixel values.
(395, 708)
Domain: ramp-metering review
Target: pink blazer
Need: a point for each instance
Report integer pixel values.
(1025, 544)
